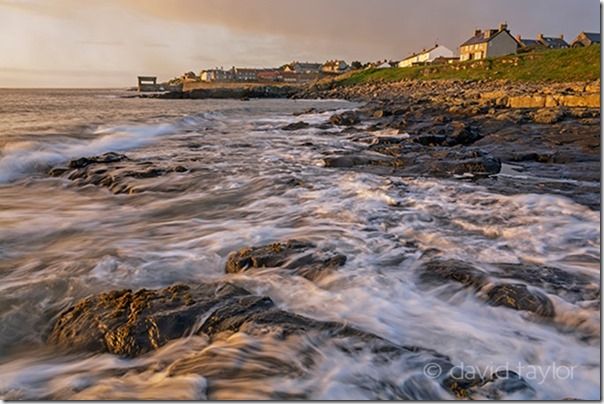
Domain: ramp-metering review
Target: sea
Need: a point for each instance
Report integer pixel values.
(248, 183)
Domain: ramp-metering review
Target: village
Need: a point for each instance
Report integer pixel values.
(483, 44)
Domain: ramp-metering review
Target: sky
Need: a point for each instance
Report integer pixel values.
(107, 43)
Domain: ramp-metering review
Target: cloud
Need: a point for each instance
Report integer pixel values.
(166, 38)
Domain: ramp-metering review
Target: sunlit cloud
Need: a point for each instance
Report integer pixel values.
(167, 38)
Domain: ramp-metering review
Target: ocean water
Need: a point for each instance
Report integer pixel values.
(61, 241)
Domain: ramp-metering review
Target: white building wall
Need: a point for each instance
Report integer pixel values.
(427, 56)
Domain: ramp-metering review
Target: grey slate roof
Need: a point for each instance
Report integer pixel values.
(554, 42)
(530, 43)
(481, 38)
(593, 36)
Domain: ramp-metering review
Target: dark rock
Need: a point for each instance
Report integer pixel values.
(512, 295)
(462, 134)
(352, 161)
(300, 257)
(437, 271)
(128, 323)
(296, 126)
(113, 171)
(519, 297)
(430, 140)
(307, 111)
(572, 287)
(505, 382)
(110, 157)
(347, 118)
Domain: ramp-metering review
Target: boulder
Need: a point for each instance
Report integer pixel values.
(548, 115)
(496, 293)
(296, 126)
(299, 257)
(347, 118)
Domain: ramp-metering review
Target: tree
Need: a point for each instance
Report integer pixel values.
(356, 65)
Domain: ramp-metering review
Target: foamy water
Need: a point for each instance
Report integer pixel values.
(60, 242)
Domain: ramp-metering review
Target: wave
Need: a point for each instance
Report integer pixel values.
(22, 158)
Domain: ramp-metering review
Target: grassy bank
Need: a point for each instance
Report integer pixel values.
(558, 65)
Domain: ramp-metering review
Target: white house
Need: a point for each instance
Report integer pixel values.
(426, 56)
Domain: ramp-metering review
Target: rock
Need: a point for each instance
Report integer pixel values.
(296, 126)
(347, 118)
(462, 134)
(430, 140)
(113, 171)
(311, 110)
(475, 162)
(110, 157)
(129, 323)
(352, 160)
(511, 295)
(502, 383)
(530, 101)
(519, 297)
(438, 271)
(583, 100)
(548, 115)
(299, 257)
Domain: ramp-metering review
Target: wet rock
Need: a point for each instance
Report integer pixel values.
(438, 271)
(296, 126)
(572, 287)
(460, 380)
(347, 118)
(311, 110)
(504, 383)
(430, 140)
(110, 157)
(353, 160)
(129, 323)
(302, 258)
(519, 297)
(113, 171)
(511, 295)
(475, 162)
(462, 134)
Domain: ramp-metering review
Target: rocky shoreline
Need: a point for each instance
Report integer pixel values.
(132, 323)
(510, 137)
(456, 131)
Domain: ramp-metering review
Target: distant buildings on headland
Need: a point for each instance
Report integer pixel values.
(482, 44)
(293, 72)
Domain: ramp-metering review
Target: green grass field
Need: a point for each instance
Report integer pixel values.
(557, 65)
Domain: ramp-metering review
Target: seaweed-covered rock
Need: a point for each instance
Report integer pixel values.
(129, 323)
(519, 297)
(300, 257)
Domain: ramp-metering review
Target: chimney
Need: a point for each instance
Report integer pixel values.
(519, 38)
(477, 32)
(540, 36)
(487, 34)
(503, 27)
(562, 36)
